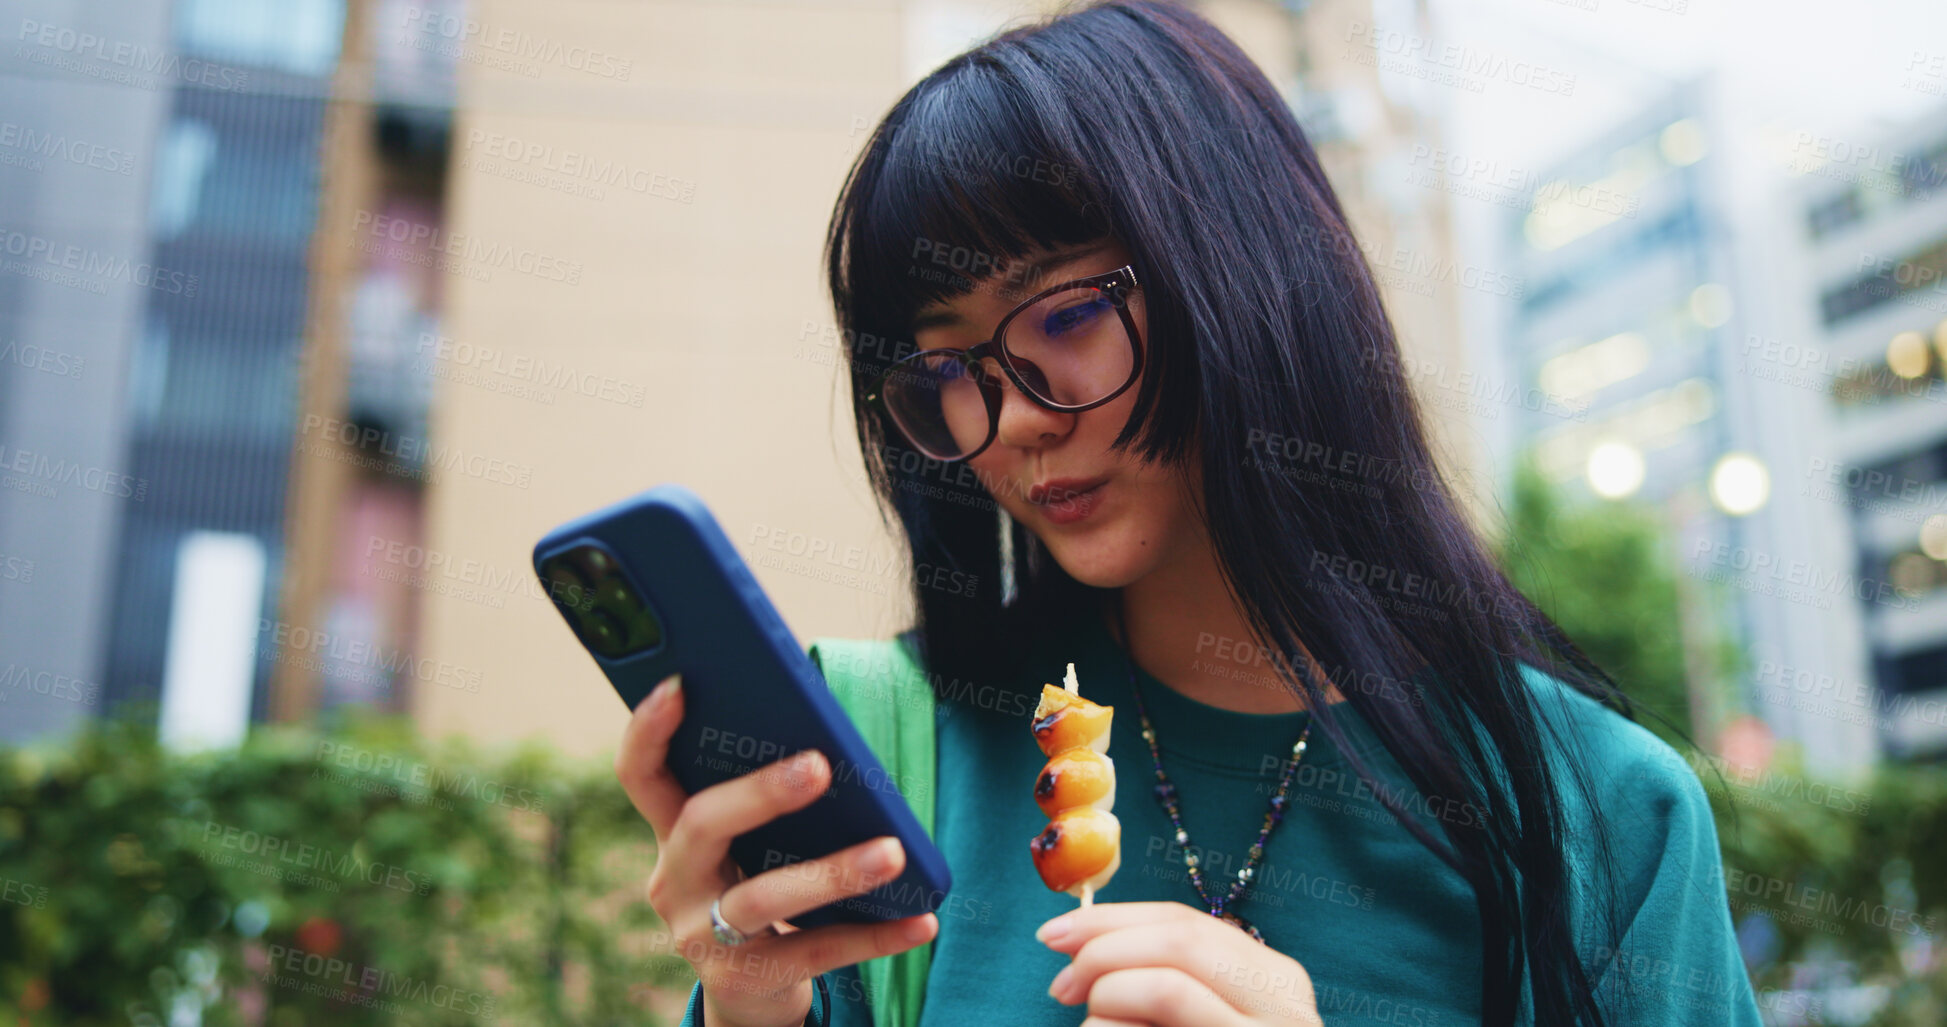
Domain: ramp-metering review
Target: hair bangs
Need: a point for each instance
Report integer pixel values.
(961, 183)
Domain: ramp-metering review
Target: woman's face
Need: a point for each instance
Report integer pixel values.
(1109, 519)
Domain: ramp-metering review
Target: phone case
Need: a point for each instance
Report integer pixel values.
(751, 696)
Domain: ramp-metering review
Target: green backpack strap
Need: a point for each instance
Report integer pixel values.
(889, 698)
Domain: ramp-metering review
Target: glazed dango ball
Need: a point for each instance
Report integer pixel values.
(1065, 721)
(1081, 846)
(1078, 777)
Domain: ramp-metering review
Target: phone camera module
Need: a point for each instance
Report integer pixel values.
(606, 612)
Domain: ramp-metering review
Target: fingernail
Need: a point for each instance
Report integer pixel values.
(802, 770)
(878, 858)
(664, 690)
(915, 930)
(1053, 930)
(1057, 989)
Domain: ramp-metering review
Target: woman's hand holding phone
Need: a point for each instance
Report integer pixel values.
(768, 979)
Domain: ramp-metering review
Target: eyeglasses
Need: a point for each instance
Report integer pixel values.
(1070, 347)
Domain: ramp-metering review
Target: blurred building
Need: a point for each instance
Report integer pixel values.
(191, 327)
(161, 166)
(64, 340)
(1627, 297)
(1617, 339)
(233, 196)
(347, 618)
(1873, 217)
(1658, 268)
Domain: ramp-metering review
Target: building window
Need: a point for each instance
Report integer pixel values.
(182, 166)
(298, 36)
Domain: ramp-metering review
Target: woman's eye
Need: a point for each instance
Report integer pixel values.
(1067, 319)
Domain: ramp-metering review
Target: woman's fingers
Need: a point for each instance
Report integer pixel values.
(700, 839)
(1073, 929)
(787, 891)
(765, 969)
(1163, 996)
(1194, 952)
(827, 948)
(693, 834)
(641, 765)
(1215, 958)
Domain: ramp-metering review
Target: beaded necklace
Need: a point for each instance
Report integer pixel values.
(1166, 794)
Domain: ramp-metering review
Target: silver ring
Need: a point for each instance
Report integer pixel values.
(721, 928)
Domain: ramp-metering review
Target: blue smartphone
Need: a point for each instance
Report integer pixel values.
(652, 587)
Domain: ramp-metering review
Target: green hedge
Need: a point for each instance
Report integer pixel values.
(1843, 885)
(355, 877)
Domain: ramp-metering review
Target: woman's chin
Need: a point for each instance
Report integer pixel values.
(1102, 562)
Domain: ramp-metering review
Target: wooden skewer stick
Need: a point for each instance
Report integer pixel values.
(1074, 688)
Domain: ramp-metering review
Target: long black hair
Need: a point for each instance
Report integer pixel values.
(1271, 360)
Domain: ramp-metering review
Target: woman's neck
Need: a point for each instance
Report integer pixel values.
(1191, 635)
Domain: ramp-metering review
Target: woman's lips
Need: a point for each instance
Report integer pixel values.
(1064, 503)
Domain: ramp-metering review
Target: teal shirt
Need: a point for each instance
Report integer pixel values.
(1389, 934)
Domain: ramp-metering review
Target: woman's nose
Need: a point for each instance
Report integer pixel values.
(1024, 422)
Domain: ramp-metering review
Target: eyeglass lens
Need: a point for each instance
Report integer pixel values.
(1070, 348)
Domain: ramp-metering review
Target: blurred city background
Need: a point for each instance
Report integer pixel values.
(316, 314)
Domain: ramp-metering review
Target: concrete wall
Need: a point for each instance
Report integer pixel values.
(696, 276)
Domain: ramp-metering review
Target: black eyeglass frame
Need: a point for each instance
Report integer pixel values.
(1117, 284)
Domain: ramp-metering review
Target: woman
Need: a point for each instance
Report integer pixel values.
(1190, 452)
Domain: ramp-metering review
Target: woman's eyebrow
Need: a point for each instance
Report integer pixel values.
(1063, 258)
